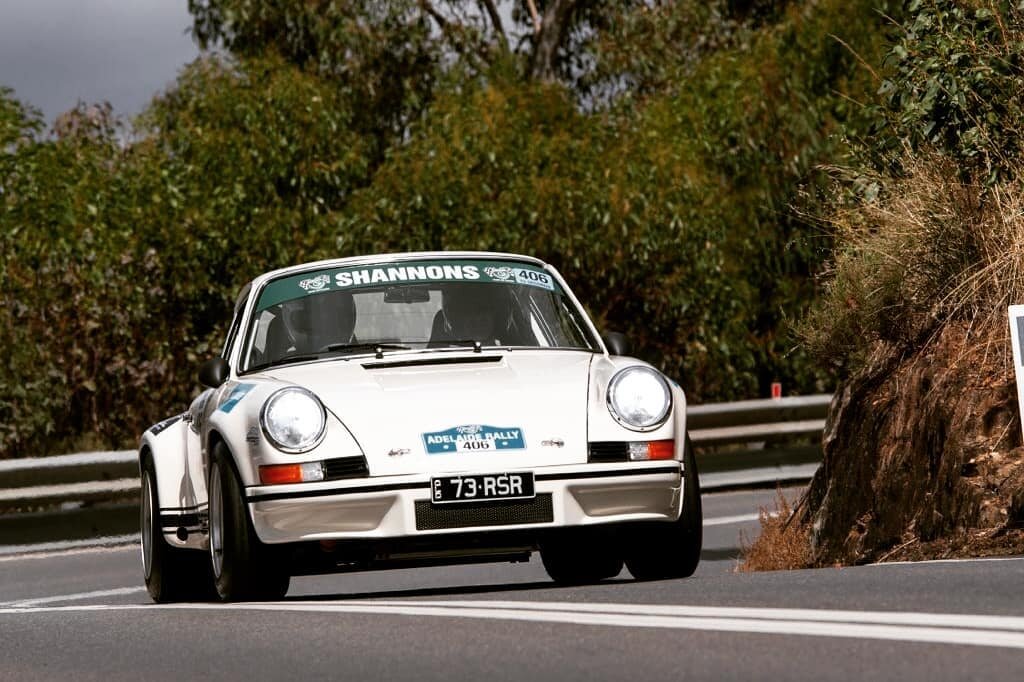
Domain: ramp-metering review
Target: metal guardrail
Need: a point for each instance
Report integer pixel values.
(68, 497)
(758, 442)
(85, 495)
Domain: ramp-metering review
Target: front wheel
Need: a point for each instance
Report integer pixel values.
(661, 550)
(244, 569)
(172, 574)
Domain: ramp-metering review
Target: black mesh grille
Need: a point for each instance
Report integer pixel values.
(611, 451)
(345, 467)
(437, 517)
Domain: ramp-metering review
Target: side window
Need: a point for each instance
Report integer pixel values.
(232, 333)
(554, 316)
(261, 341)
(236, 321)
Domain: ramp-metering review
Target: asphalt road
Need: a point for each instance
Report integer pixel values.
(82, 615)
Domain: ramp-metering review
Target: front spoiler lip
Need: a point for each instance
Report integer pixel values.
(673, 467)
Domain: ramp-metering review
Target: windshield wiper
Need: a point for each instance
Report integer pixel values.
(332, 348)
(356, 347)
(463, 342)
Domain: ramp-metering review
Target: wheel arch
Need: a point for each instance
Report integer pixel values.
(145, 452)
(165, 446)
(216, 438)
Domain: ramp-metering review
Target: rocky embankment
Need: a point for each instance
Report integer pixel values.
(923, 458)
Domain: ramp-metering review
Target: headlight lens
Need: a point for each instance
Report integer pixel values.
(293, 419)
(639, 397)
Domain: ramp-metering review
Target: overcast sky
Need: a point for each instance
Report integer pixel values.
(56, 52)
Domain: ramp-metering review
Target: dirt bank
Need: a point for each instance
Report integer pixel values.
(923, 457)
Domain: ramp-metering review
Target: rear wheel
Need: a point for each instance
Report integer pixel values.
(172, 574)
(579, 558)
(660, 550)
(244, 569)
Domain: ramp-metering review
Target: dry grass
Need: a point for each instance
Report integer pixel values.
(784, 542)
(930, 249)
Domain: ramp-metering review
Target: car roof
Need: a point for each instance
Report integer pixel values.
(391, 258)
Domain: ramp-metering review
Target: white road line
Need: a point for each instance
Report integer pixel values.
(56, 599)
(1008, 634)
(968, 560)
(51, 549)
(955, 620)
(729, 520)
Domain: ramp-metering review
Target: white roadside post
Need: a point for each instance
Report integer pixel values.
(1016, 336)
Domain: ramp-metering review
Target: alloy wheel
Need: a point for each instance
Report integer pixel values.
(216, 521)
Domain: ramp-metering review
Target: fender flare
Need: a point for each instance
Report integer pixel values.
(230, 429)
(165, 444)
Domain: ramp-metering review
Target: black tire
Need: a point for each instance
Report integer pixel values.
(172, 574)
(580, 558)
(243, 568)
(662, 550)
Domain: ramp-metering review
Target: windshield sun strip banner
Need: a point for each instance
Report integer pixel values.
(404, 272)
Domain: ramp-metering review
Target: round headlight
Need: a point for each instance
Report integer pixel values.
(293, 419)
(639, 398)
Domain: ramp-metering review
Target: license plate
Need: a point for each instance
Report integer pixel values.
(481, 487)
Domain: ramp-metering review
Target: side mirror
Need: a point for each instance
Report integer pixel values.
(616, 343)
(214, 372)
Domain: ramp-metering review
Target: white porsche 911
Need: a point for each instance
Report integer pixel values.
(416, 409)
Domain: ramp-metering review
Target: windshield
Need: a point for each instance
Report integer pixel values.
(413, 305)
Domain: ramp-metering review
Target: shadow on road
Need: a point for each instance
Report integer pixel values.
(454, 590)
(723, 554)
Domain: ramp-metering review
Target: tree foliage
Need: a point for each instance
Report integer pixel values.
(518, 168)
(656, 160)
(386, 53)
(118, 263)
(955, 82)
(345, 39)
(927, 234)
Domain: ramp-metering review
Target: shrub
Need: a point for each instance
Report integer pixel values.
(955, 82)
(931, 249)
(783, 543)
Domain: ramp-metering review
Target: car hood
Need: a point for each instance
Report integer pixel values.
(446, 412)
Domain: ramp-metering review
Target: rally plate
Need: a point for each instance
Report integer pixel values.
(482, 487)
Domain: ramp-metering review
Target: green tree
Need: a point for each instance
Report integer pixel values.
(394, 55)
(18, 122)
(655, 159)
(955, 82)
(349, 39)
(120, 262)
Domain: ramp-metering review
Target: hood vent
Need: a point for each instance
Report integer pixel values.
(422, 362)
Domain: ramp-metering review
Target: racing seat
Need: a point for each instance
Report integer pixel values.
(439, 334)
(469, 314)
(321, 320)
(279, 342)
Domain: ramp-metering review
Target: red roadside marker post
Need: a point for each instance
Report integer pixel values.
(776, 390)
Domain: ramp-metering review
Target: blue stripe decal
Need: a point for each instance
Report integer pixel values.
(237, 393)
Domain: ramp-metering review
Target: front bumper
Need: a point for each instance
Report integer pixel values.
(399, 506)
